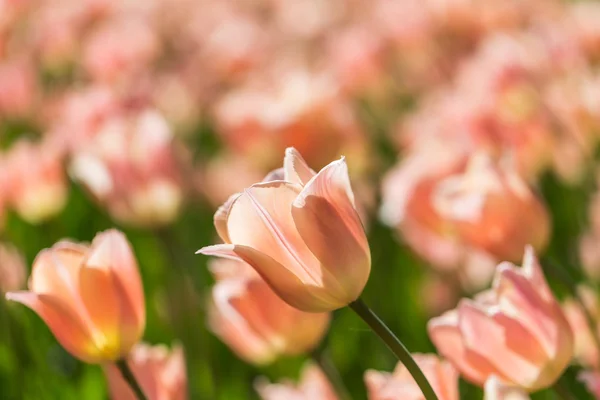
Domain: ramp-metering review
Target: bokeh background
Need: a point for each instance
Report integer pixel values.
(147, 115)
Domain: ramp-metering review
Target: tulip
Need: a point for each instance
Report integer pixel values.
(586, 336)
(488, 206)
(160, 373)
(300, 231)
(313, 385)
(401, 386)
(90, 297)
(247, 315)
(12, 268)
(516, 331)
(496, 390)
(591, 379)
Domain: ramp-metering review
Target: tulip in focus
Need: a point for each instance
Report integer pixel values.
(495, 390)
(401, 386)
(159, 371)
(515, 331)
(300, 231)
(90, 297)
(247, 315)
(313, 385)
(36, 183)
(492, 208)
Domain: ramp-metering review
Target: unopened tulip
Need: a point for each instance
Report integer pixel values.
(300, 231)
(492, 208)
(516, 331)
(90, 297)
(159, 371)
(247, 315)
(496, 390)
(401, 386)
(313, 385)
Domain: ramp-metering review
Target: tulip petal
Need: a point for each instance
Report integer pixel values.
(482, 331)
(283, 282)
(55, 271)
(111, 251)
(221, 216)
(296, 170)
(447, 338)
(261, 218)
(275, 175)
(67, 328)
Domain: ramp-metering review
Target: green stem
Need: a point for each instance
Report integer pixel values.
(329, 369)
(130, 379)
(395, 345)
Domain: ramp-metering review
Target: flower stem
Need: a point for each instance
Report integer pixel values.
(322, 359)
(130, 379)
(395, 345)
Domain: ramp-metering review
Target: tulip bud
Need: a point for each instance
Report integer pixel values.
(302, 234)
(159, 372)
(247, 315)
(313, 385)
(90, 297)
(516, 331)
(400, 385)
(493, 209)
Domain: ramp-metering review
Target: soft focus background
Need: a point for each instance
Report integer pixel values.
(469, 126)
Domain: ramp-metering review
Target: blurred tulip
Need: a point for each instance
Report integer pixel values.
(496, 390)
(400, 385)
(247, 315)
(586, 350)
(91, 298)
(159, 371)
(516, 331)
(591, 379)
(18, 89)
(12, 269)
(488, 205)
(313, 385)
(300, 231)
(131, 167)
(36, 183)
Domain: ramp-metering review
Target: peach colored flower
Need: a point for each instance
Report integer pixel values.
(159, 371)
(313, 385)
(259, 327)
(90, 297)
(36, 183)
(496, 390)
(516, 331)
(300, 231)
(18, 88)
(12, 268)
(401, 386)
(489, 204)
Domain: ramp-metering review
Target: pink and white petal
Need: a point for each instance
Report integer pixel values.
(68, 329)
(55, 272)
(275, 175)
(296, 170)
(445, 335)
(333, 184)
(490, 337)
(220, 218)
(495, 389)
(261, 218)
(283, 282)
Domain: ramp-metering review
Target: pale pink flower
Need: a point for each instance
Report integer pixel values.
(313, 385)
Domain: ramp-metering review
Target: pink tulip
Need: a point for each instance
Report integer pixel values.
(489, 204)
(401, 386)
(300, 231)
(90, 297)
(591, 379)
(313, 385)
(159, 371)
(259, 327)
(516, 331)
(496, 390)
(585, 351)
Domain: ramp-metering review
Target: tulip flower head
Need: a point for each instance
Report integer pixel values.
(516, 331)
(401, 386)
(313, 385)
(160, 373)
(300, 231)
(247, 315)
(90, 297)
